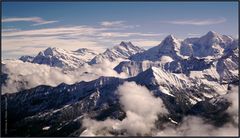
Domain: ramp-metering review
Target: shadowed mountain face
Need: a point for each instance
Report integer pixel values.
(192, 77)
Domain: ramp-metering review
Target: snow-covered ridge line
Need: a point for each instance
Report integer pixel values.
(57, 57)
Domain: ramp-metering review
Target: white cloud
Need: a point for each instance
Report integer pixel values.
(146, 43)
(36, 20)
(197, 22)
(196, 126)
(44, 22)
(232, 96)
(112, 23)
(36, 74)
(117, 25)
(55, 31)
(142, 98)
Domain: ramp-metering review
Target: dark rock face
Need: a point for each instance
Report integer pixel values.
(187, 65)
(3, 78)
(26, 58)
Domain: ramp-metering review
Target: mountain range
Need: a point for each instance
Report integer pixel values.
(191, 77)
(57, 57)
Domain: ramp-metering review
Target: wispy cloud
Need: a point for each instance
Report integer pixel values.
(128, 34)
(117, 24)
(36, 20)
(197, 22)
(44, 22)
(9, 29)
(55, 31)
(112, 23)
(74, 32)
(70, 38)
(194, 34)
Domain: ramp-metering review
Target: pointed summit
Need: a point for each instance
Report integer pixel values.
(210, 38)
(170, 47)
(50, 51)
(169, 44)
(170, 39)
(125, 44)
(212, 34)
(159, 76)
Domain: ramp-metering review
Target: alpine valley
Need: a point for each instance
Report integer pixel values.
(126, 90)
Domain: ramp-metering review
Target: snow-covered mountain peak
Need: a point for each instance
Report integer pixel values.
(122, 52)
(127, 46)
(169, 47)
(58, 57)
(170, 38)
(51, 51)
(212, 34)
(210, 44)
(48, 51)
(159, 76)
(215, 37)
(170, 43)
(210, 38)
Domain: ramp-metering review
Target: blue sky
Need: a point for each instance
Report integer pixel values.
(29, 27)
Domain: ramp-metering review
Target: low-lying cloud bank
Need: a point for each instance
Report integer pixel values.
(142, 111)
(24, 75)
